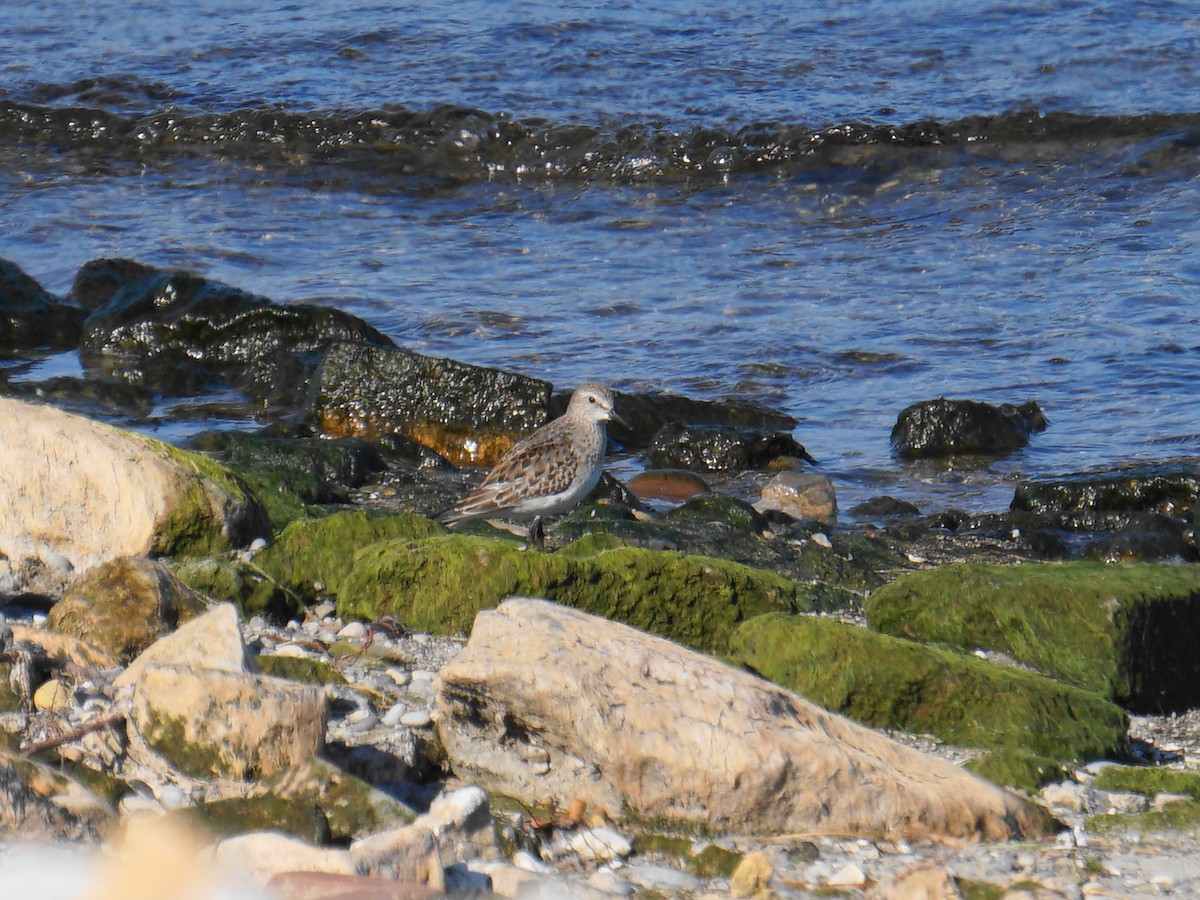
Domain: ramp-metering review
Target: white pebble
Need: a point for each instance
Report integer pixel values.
(423, 675)
(292, 650)
(399, 676)
(353, 630)
(600, 843)
(822, 540)
(848, 876)
(393, 716)
(257, 544)
(417, 718)
(526, 861)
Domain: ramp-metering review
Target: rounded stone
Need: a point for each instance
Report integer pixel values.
(801, 495)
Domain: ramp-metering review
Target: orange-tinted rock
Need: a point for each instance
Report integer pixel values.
(675, 485)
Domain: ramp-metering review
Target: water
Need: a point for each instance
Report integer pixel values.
(617, 208)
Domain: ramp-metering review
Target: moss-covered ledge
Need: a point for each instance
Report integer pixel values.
(1125, 630)
(439, 584)
(889, 682)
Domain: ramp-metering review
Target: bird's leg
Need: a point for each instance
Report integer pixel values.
(536, 534)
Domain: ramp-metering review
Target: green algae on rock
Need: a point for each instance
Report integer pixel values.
(351, 807)
(124, 606)
(298, 817)
(297, 668)
(1125, 630)
(230, 578)
(440, 583)
(889, 682)
(1019, 768)
(321, 551)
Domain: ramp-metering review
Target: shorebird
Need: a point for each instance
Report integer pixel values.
(549, 471)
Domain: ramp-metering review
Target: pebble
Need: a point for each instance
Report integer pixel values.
(399, 676)
(606, 880)
(526, 861)
(417, 718)
(292, 650)
(353, 631)
(848, 876)
(600, 843)
(660, 878)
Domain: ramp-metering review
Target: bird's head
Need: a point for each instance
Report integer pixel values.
(594, 402)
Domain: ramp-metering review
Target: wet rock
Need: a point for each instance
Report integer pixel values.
(714, 448)
(85, 492)
(31, 317)
(883, 508)
(290, 474)
(886, 682)
(209, 641)
(468, 414)
(647, 414)
(944, 427)
(439, 584)
(125, 605)
(627, 721)
(1108, 498)
(98, 279)
(89, 396)
(1122, 630)
(165, 329)
(675, 485)
(210, 724)
(801, 495)
(1147, 537)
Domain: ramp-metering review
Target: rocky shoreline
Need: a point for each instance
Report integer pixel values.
(264, 641)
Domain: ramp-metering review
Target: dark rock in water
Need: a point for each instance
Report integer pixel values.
(1148, 537)
(944, 427)
(89, 396)
(97, 280)
(164, 329)
(717, 448)
(647, 414)
(32, 317)
(883, 507)
(1086, 500)
(469, 414)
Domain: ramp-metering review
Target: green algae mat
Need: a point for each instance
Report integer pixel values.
(437, 581)
(889, 682)
(1128, 631)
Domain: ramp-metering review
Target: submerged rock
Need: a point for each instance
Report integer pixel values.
(1123, 630)
(31, 317)
(889, 682)
(1110, 497)
(632, 723)
(78, 492)
(468, 414)
(944, 427)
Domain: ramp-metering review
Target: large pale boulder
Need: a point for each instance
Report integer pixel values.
(550, 703)
(211, 641)
(77, 492)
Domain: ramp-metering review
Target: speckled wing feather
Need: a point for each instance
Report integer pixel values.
(539, 466)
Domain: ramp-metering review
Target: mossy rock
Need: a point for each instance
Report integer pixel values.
(245, 585)
(298, 817)
(440, 583)
(889, 682)
(294, 668)
(835, 578)
(1018, 768)
(9, 701)
(351, 807)
(218, 512)
(313, 551)
(1148, 780)
(1127, 631)
(124, 606)
(1180, 816)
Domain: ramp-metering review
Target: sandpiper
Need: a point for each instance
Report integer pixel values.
(549, 471)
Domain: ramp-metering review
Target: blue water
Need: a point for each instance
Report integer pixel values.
(1065, 273)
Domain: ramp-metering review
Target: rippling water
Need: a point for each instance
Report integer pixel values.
(832, 210)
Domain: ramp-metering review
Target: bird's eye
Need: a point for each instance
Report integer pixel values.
(591, 399)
